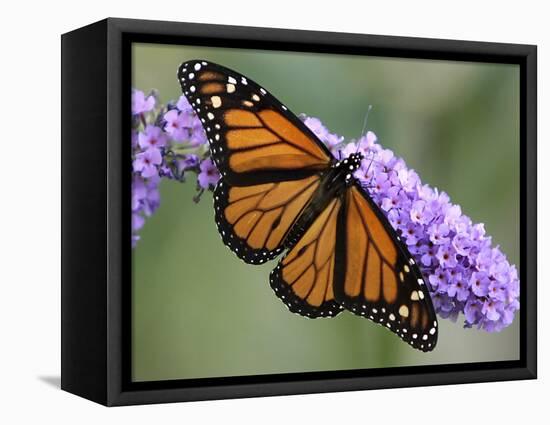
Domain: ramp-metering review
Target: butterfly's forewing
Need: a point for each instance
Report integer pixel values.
(381, 281)
(253, 137)
(269, 160)
(304, 278)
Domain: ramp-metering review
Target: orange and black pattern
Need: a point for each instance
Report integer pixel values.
(252, 136)
(255, 220)
(283, 192)
(304, 278)
(380, 278)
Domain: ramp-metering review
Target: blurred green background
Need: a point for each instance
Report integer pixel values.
(198, 311)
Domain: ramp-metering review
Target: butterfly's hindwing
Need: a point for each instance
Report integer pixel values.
(254, 221)
(304, 278)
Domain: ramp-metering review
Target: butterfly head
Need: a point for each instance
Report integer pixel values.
(354, 161)
(346, 167)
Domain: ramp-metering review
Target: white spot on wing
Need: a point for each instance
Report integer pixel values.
(216, 101)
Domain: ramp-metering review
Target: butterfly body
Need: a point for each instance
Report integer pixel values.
(283, 192)
(332, 184)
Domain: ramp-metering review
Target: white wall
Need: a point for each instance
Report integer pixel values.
(30, 199)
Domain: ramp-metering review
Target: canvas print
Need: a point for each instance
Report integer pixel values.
(298, 212)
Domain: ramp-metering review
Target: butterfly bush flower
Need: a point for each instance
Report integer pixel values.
(464, 272)
(209, 176)
(168, 142)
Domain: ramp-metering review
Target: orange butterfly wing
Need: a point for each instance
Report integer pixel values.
(379, 279)
(254, 221)
(304, 278)
(269, 160)
(253, 137)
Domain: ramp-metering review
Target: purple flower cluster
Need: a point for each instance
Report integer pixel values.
(167, 143)
(465, 273)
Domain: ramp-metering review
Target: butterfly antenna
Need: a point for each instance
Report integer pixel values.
(364, 126)
(370, 164)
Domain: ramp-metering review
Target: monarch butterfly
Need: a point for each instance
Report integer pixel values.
(282, 191)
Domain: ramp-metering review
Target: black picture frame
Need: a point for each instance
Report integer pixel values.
(96, 210)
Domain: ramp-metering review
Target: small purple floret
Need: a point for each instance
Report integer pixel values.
(209, 176)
